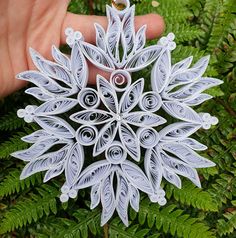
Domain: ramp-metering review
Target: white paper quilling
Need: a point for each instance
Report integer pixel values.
(117, 118)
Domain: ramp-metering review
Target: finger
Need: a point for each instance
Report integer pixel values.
(85, 24)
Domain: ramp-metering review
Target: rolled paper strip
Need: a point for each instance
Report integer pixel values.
(150, 102)
(29, 118)
(206, 117)
(77, 35)
(86, 135)
(64, 198)
(30, 109)
(70, 40)
(65, 189)
(72, 193)
(148, 137)
(214, 121)
(171, 36)
(162, 201)
(88, 98)
(121, 80)
(21, 113)
(164, 41)
(155, 197)
(69, 31)
(206, 125)
(116, 153)
(171, 45)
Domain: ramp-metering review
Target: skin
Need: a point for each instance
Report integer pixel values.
(40, 24)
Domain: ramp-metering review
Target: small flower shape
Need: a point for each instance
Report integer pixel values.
(208, 121)
(168, 41)
(27, 113)
(72, 36)
(119, 116)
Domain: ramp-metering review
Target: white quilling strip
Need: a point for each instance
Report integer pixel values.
(116, 154)
(55, 106)
(150, 102)
(60, 58)
(88, 98)
(130, 141)
(86, 135)
(132, 96)
(36, 136)
(48, 85)
(143, 119)
(118, 119)
(79, 66)
(38, 93)
(121, 80)
(148, 137)
(181, 111)
(122, 197)
(38, 148)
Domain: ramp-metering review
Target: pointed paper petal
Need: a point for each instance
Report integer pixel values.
(161, 72)
(79, 66)
(140, 38)
(74, 164)
(39, 93)
(153, 168)
(93, 174)
(55, 106)
(180, 168)
(188, 155)
(100, 37)
(122, 198)
(36, 136)
(136, 177)
(143, 119)
(105, 138)
(181, 111)
(60, 58)
(130, 141)
(107, 199)
(45, 162)
(95, 195)
(132, 96)
(178, 131)
(171, 177)
(143, 58)
(134, 198)
(56, 126)
(91, 117)
(113, 35)
(97, 57)
(54, 172)
(51, 69)
(181, 66)
(45, 83)
(38, 148)
(189, 75)
(193, 144)
(107, 94)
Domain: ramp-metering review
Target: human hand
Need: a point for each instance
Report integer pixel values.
(39, 24)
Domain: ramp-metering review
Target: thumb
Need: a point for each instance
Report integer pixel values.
(85, 24)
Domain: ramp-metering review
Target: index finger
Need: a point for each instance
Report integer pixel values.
(85, 24)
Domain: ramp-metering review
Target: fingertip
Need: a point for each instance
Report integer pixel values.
(155, 25)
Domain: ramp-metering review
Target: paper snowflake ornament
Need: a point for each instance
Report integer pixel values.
(120, 121)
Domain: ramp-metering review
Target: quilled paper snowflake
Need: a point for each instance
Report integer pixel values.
(120, 121)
